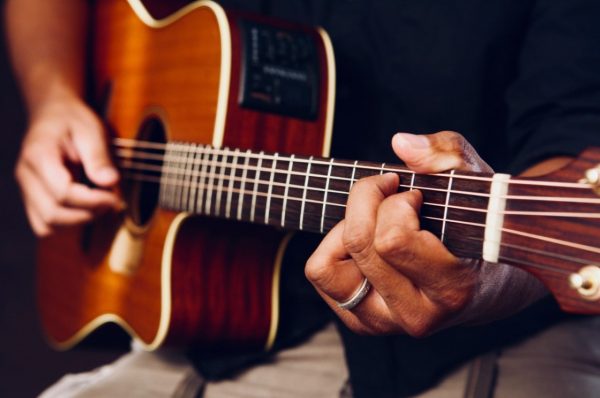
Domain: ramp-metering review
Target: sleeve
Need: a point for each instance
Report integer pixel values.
(554, 102)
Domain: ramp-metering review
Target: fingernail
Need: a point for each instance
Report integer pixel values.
(411, 141)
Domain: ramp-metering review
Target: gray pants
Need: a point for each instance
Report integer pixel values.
(563, 361)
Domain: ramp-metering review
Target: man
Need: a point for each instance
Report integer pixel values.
(517, 78)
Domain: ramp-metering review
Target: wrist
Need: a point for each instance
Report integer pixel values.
(51, 91)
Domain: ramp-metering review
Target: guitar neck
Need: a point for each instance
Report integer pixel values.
(304, 193)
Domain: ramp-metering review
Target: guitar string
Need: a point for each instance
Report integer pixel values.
(200, 176)
(530, 264)
(131, 143)
(453, 191)
(479, 225)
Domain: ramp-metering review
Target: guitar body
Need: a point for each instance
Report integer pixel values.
(168, 277)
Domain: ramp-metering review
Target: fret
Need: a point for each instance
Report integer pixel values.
(243, 184)
(224, 158)
(256, 183)
(446, 205)
(325, 195)
(382, 168)
(234, 163)
(270, 189)
(287, 190)
(211, 178)
(303, 204)
(164, 176)
(194, 171)
(205, 157)
(189, 180)
(172, 199)
(353, 175)
(412, 182)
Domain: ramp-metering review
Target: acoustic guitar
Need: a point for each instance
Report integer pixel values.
(221, 126)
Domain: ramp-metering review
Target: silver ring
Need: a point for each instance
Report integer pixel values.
(357, 296)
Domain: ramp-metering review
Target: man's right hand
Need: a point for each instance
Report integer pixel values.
(65, 135)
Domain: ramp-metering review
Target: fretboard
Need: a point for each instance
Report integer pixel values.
(304, 193)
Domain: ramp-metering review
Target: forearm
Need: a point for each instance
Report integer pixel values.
(47, 43)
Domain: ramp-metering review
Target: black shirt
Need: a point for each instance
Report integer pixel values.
(520, 79)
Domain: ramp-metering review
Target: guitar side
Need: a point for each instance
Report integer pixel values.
(176, 279)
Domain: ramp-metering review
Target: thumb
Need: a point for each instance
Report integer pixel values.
(90, 143)
(434, 153)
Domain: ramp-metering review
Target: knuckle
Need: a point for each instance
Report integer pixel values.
(454, 300)
(318, 271)
(50, 215)
(62, 194)
(391, 242)
(420, 327)
(42, 231)
(356, 241)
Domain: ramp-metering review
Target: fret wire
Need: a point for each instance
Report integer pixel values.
(287, 188)
(255, 190)
(352, 179)
(242, 186)
(231, 178)
(211, 180)
(162, 193)
(270, 189)
(382, 168)
(446, 207)
(325, 194)
(173, 177)
(412, 182)
(398, 169)
(176, 175)
(304, 194)
(187, 178)
(221, 180)
(195, 170)
(202, 179)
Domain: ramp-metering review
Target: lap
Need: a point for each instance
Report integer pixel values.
(560, 361)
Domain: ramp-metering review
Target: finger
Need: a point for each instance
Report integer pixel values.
(400, 242)
(90, 143)
(84, 197)
(51, 171)
(396, 290)
(434, 153)
(361, 211)
(330, 268)
(335, 277)
(46, 212)
(445, 281)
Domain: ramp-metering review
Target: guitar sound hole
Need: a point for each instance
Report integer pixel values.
(142, 188)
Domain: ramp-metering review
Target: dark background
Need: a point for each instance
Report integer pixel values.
(27, 363)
